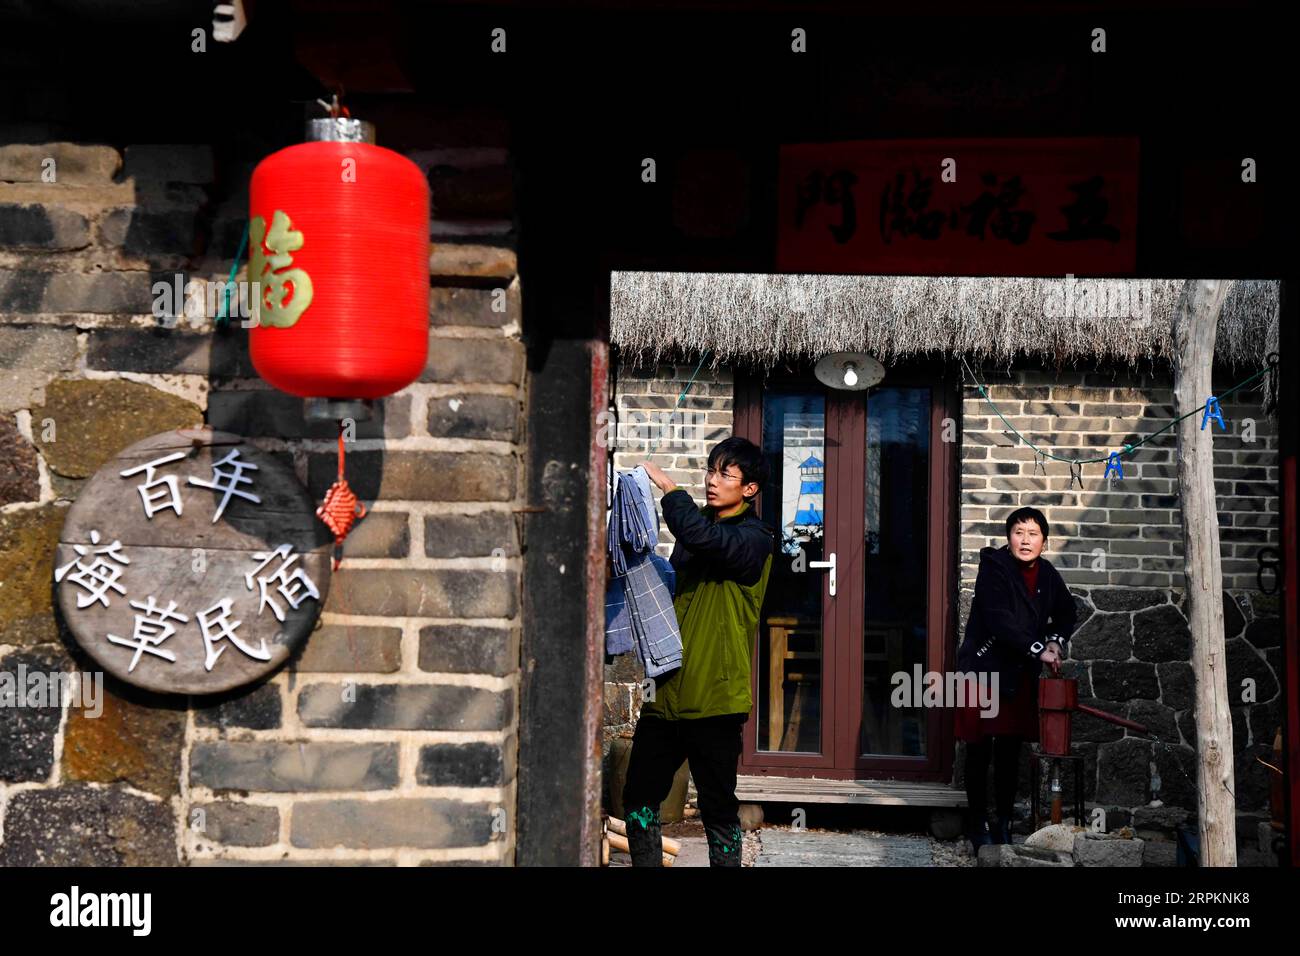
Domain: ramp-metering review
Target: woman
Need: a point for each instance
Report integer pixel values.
(1021, 618)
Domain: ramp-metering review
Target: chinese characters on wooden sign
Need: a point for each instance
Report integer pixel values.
(1011, 207)
(192, 563)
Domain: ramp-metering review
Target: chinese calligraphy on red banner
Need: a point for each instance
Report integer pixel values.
(1030, 207)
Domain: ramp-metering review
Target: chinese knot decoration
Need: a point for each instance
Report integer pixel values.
(340, 509)
(191, 563)
(339, 247)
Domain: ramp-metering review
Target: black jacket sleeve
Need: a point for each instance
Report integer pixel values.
(997, 608)
(1063, 614)
(733, 551)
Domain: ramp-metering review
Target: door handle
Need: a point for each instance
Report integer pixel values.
(826, 564)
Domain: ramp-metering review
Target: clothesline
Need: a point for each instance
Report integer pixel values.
(1127, 449)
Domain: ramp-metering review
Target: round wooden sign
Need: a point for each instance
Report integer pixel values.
(192, 563)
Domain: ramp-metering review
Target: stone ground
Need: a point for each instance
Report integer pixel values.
(814, 846)
(783, 846)
(831, 835)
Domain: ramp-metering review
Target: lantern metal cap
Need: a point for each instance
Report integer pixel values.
(340, 129)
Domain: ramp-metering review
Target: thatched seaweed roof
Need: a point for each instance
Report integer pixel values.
(772, 318)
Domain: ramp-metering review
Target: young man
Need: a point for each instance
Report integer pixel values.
(722, 558)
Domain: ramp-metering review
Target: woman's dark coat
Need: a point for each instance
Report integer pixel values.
(1009, 628)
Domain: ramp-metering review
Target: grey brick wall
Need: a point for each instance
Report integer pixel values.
(677, 437)
(1132, 523)
(1117, 544)
(392, 738)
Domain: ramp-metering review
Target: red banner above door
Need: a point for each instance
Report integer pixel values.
(1025, 207)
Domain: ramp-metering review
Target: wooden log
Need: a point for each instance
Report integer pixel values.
(670, 845)
(1195, 325)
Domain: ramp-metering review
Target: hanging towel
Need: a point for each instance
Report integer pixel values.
(639, 611)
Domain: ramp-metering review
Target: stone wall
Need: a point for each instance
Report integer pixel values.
(422, 622)
(1118, 545)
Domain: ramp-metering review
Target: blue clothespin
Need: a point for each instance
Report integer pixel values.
(1212, 411)
(1113, 463)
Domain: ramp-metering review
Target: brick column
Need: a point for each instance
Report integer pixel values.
(392, 737)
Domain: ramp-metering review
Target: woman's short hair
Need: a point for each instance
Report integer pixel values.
(1026, 514)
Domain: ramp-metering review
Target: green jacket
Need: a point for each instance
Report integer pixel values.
(722, 570)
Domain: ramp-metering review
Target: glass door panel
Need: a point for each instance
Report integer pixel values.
(791, 677)
(895, 567)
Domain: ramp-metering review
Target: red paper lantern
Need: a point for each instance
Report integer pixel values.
(339, 240)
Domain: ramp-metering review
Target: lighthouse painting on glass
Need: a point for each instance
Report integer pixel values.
(808, 510)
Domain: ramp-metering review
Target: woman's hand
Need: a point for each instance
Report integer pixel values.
(1051, 656)
(661, 480)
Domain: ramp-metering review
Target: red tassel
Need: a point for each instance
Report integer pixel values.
(340, 509)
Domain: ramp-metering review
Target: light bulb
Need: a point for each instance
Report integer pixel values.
(850, 376)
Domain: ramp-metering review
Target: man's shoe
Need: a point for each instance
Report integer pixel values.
(725, 842)
(645, 837)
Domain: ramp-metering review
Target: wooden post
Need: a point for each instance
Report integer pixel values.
(1194, 331)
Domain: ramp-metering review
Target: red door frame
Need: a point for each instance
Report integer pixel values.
(844, 616)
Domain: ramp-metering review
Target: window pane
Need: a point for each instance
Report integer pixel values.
(790, 637)
(896, 565)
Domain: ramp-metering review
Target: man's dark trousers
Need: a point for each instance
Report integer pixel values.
(712, 746)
